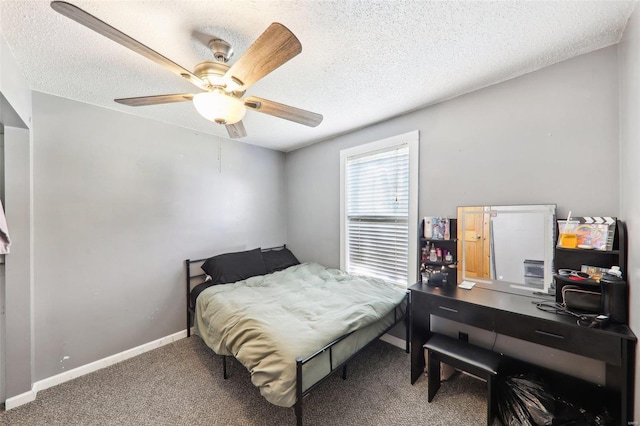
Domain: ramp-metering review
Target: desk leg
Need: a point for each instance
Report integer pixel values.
(420, 332)
(630, 373)
(619, 383)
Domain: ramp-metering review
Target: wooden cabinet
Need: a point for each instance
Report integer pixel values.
(440, 264)
(575, 258)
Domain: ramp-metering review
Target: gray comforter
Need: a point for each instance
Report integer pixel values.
(267, 321)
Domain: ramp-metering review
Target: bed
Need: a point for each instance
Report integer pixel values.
(291, 324)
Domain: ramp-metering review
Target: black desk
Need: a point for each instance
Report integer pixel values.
(516, 316)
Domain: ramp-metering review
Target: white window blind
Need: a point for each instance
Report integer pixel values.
(377, 214)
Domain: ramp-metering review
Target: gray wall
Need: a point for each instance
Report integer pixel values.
(119, 203)
(17, 348)
(549, 137)
(534, 139)
(629, 50)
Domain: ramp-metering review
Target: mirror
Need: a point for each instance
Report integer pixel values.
(511, 245)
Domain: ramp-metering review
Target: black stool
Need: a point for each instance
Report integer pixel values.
(478, 361)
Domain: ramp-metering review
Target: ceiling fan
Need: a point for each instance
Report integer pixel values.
(221, 86)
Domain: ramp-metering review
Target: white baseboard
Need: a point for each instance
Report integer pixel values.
(18, 400)
(29, 396)
(395, 341)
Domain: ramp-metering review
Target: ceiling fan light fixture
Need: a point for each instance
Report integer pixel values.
(218, 107)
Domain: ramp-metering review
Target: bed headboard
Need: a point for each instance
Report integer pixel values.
(194, 276)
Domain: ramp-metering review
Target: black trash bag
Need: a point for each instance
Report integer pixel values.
(524, 401)
(570, 414)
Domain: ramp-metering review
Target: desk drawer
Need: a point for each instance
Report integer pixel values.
(455, 310)
(570, 338)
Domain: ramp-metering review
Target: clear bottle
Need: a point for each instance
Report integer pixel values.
(448, 258)
(433, 255)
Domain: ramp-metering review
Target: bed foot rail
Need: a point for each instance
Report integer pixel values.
(398, 316)
(224, 367)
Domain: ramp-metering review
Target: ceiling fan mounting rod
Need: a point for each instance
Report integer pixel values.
(222, 50)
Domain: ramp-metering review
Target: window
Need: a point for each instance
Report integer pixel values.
(379, 209)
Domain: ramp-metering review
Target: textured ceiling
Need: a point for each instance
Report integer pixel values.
(362, 62)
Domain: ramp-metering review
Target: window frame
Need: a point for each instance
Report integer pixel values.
(412, 140)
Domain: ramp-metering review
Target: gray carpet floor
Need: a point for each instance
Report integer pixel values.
(181, 384)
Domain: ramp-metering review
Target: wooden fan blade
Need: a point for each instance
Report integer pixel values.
(101, 27)
(236, 130)
(155, 100)
(287, 112)
(275, 46)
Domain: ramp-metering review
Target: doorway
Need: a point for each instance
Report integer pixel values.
(474, 231)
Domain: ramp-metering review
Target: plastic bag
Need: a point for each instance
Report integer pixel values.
(523, 401)
(570, 414)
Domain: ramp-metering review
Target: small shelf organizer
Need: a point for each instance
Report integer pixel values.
(450, 245)
(574, 258)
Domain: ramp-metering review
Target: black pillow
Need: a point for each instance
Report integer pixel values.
(232, 267)
(279, 259)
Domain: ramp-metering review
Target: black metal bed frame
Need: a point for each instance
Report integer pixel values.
(191, 310)
(399, 316)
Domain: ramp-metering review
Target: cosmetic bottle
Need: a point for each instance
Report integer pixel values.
(433, 255)
(448, 257)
